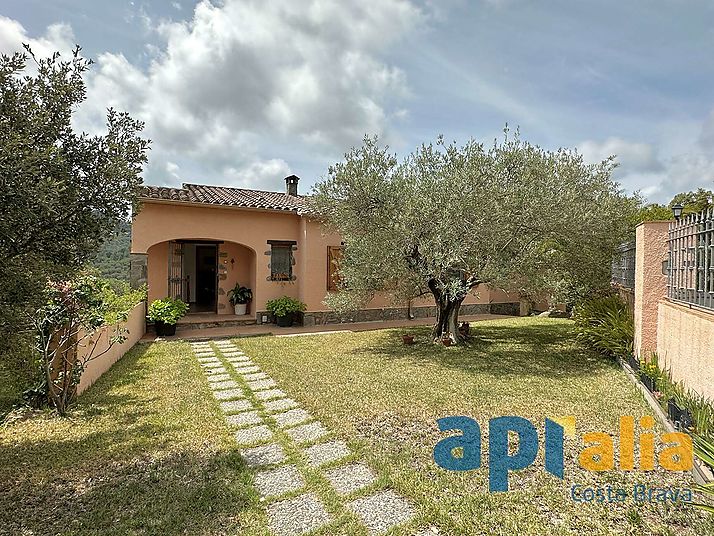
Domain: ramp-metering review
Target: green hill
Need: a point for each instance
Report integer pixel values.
(112, 259)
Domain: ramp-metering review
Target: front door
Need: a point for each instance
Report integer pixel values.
(206, 283)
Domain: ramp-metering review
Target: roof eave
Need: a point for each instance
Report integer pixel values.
(159, 201)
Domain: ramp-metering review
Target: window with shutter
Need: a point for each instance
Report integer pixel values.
(334, 256)
(281, 262)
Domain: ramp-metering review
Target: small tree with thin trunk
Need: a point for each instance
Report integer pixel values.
(448, 218)
(66, 337)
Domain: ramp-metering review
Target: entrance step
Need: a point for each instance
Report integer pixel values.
(205, 321)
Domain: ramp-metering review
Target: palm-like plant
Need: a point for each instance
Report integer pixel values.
(704, 450)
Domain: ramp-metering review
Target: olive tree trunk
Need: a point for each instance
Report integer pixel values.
(447, 317)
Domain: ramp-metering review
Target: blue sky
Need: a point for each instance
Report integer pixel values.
(244, 93)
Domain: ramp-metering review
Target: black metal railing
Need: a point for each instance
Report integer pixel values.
(623, 266)
(691, 260)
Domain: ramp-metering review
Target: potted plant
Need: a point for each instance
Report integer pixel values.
(465, 329)
(633, 362)
(674, 412)
(408, 339)
(284, 309)
(648, 382)
(649, 373)
(239, 298)
(165, 313)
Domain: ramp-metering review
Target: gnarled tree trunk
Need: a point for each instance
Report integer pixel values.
(447, 316)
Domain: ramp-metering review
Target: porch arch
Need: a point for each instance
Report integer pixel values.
(234, 263)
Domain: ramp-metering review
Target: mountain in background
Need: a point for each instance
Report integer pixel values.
(112, 259)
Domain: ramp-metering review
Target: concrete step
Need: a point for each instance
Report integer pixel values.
(187, 324)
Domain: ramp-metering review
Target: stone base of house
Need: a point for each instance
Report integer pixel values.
(316, 318)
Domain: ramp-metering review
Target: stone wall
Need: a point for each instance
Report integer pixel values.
(313, 318)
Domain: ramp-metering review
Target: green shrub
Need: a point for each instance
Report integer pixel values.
(700, 407)
(167, 310)
(606, 325)
(119, 299)
(285, 305)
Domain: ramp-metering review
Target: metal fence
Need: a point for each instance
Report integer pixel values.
(623, 266)
(691, 260)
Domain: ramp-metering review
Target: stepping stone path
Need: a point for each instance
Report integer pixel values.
(228, 394)
(382, 511)
(350, 478)
(261, 417)
(276, 482)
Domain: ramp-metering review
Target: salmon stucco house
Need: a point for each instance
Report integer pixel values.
(198, 241)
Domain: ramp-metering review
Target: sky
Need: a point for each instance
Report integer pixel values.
(244, 93)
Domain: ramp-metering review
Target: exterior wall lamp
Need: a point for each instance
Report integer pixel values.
(677, 211)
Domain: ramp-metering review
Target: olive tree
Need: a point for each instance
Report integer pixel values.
(448, 218)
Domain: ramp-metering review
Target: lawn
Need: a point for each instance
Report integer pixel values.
(146, 450)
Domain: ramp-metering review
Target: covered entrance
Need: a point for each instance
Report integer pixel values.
(193, 274)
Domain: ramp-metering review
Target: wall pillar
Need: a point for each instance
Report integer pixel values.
(137, 269)
(652, 250)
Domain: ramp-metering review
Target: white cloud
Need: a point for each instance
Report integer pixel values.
(58, 37)
(656, 176)
(235, 86)
(631, 156)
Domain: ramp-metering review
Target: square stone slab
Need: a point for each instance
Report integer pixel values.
(307, 432)
(247, 369)
(269, 394)
(323, 453)
(218, 377)
(236, 406)
(208, 359)
(259, 385)
(232, 353)
(211, 363)
(247, 418)
(238, 359)
(255, 376)
(297, 516)
(225, 344)
(382, 511)
(204, 353)
(263, 455)
(292, 417)
(228, 394)
(256, 434)
(230, 384)
(350, 478)
(214, 370)
(276, 482)
(279, 405)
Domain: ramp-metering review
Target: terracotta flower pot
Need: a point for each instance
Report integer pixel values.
(408, 339)
(446, 341)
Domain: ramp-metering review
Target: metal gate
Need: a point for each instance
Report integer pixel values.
(177, 282)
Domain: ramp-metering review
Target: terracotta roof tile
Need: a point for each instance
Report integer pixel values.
(225, 196)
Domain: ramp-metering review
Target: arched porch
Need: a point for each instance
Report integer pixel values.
(201, 272)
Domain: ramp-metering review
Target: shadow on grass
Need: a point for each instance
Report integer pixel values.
(177, 494)
(546, 349)
(113, 466)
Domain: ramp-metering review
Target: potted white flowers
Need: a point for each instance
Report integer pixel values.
(239, 298)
